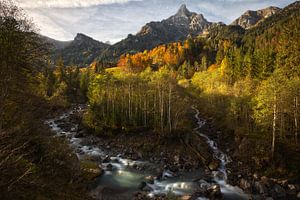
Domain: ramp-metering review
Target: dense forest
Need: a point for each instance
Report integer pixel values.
(247, 81)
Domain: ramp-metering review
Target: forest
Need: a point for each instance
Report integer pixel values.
(248, 82)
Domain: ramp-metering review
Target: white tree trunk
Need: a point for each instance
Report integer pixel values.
(169, 114)
(296, 119)
(274, 126)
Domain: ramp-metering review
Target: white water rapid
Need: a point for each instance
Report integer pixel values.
(121, 172)
(220, 176)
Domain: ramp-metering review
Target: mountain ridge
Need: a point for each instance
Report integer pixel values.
(83, 50)
(175, 28)
(251, 18)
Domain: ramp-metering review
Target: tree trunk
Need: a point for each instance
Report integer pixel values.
(296, 119)
(169, 114)
(162, 110)
(274, 126)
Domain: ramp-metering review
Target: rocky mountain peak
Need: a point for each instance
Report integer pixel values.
(80, 37)
(251, 18)
(183, 11)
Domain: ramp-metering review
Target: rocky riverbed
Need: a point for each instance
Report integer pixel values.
(140, 166)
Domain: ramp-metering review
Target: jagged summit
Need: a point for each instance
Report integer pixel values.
(251, 18)
(179, 26)
(81, 36)
(183, 11)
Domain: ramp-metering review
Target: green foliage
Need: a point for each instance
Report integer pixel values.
(149, 99)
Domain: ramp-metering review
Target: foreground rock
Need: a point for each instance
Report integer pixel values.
(90, 170)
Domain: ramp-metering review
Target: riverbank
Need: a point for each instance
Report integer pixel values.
(247, 172)
(147, 159)
(185, 163)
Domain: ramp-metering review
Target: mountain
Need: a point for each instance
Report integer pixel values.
(177, 27)
(81, 51)
(251, 18)
(55, 43)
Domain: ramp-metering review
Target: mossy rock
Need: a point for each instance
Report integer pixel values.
(90, 170)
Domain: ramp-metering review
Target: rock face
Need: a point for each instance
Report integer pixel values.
(251, 18)
(177, 27)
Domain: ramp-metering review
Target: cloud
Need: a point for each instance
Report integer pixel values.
(113, 20)
(67, 3)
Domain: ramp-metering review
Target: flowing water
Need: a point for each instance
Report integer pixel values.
(123, 176)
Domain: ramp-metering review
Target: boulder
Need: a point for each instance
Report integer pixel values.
(109, 167)
(142, 185)
(278, 192)
(214, 192)
(90, 170)
(214, 165)
(260, 187)
(186, 197)
(106, 159)
(245, 185)
(291, 189)
(147, 188)
(150, 179)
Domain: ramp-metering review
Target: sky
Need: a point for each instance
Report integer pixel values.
(113, 20)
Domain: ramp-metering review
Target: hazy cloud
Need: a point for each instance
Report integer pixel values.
(67, 3)
(113, 20)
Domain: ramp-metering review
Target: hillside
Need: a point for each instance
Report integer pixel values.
(81, 51)
(177, 27)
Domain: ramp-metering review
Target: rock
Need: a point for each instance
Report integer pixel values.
(79, 134)
(245, 185)
(109, 167)
(176, 158)
(264, 179)
(278, 191)
(95, 158)
(213, 165)
(140, 155)
(255, 176)
(186, 197)
(147, 188)
(106, 159)
(142, 185)
(256, 197)
(260, 187)
(150, 179)
(91, 170)
(214, 192)
(203, 184)
(298, 195)
(269, 198)
(284, 183)
(291, 189)
(218, 174)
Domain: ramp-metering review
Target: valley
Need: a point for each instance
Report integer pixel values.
(185, 109)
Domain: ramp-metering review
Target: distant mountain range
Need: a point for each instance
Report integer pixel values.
(83, 50)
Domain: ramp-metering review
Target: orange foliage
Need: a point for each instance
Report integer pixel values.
(213, 67)
(170, 55)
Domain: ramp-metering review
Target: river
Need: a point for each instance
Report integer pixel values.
(122, 177)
